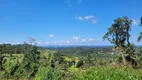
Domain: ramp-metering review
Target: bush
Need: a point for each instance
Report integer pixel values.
(79, 63)
(130, 50)
(47, 73)
(73, 69)
(10, 67)
(139, 59)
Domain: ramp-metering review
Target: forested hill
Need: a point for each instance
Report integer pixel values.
(19, 49)
(14, 49)
(83, 51)
(67, 50)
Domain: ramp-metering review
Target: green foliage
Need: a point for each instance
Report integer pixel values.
(83, 51)
(42, 73)
(130, 50)
(104, 73)
(31, 60)
(13, 49)
(140, 52)
(73, 69)
(45, 59)
(139, 58)
(118, 33)
(1, 61)
(47, 73)
(20, 66)
(140, 37)
(38, 66)
(68, 58)
(79, 63)
(10, 67)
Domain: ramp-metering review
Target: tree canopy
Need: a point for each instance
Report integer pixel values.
(140, 37)
(118, 34)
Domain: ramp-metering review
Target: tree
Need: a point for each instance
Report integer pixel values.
(1, 61)
(1, 57)
(31, 57)
(127, 26)
(140, 37)
(118, 33)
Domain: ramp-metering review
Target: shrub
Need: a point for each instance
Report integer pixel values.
(73, 69)
(47, 73)
(79, 63)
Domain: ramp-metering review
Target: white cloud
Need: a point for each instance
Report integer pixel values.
(46, 42)
(88, 17)
(93, 21)
(91, 39)
(80, 18)
(51, 35)
(49, 42)
(16, 43)
(83, 40)
(135, 22)
(67, 42)
(12, 43)
(7, 42)
(38, 42)
(75, 38)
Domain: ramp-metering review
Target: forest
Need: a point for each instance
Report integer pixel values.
(122, 61)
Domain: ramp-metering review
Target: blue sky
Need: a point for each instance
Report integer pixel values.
(65, 21)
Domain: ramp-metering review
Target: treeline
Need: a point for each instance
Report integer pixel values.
(14, 49)
(84, 51)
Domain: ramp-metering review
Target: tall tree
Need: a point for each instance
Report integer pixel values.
(31, 56)
(140, 37)
(118, 33)
(127, 26)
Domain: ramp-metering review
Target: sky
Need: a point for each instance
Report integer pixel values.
(65, 22)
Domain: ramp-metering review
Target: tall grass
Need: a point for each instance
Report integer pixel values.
(104, 73)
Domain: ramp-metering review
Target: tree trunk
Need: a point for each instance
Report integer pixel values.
(123, 58)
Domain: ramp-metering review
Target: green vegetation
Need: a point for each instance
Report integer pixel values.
(140, 37)
(107, 73)
(29, 62)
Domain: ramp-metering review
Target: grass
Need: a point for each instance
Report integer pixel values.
(107, 73)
